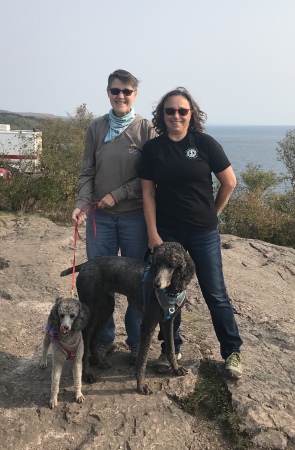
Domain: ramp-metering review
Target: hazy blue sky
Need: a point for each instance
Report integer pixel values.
(235, 56)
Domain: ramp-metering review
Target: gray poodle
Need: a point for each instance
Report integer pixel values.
(66, 320)
(171, 270)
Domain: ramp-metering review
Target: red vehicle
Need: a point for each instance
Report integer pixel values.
(5, 174)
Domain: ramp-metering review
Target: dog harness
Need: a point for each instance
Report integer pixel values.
(70, 352)
(168, 302)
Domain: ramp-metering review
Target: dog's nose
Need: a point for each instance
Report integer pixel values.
(156, 284)
(64, 329)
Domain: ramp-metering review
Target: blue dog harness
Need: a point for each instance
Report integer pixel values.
(169, 303)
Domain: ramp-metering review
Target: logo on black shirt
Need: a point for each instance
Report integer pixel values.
(191, 153)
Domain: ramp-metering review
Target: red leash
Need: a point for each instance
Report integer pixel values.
(77, 234)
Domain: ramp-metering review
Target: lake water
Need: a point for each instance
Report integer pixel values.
(251, 144)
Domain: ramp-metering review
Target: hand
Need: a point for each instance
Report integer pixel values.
(78, 216)
(154, 241)
(107, 201)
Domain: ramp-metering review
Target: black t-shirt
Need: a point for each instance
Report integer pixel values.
(182, 172)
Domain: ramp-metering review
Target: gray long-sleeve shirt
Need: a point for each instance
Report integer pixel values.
(111, 167)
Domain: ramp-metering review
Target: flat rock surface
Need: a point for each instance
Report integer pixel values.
(260, 278)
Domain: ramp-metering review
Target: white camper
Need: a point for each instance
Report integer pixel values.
(20, 149)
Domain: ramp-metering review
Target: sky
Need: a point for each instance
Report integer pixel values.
(236, 57)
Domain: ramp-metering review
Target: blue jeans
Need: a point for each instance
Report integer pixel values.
(129, 235)
(205, 250)
(176, 336)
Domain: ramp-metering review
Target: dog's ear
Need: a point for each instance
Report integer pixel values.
(154, 256)
(190, 269)
(153, 265)
(82, 319)
(53, 318)
(184, 273)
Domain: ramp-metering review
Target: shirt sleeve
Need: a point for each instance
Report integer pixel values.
(217, 157)
(87, 173)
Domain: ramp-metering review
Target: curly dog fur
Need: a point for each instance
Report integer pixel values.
(66, 320)
(100, 278)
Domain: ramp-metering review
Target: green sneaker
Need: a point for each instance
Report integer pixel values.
(233, 366)
(163, 365)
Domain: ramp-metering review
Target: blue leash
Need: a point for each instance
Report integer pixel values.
(143, 280)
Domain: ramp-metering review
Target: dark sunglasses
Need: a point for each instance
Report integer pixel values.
(116, 91)
(181, 111)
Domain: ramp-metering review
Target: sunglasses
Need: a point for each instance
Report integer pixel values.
(116, 91)
(181, 111)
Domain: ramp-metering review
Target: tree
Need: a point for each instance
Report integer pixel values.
(255, 178)
(62, 152)
(81, 119)
(286, 153)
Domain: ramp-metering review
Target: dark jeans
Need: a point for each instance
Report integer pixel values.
(127, 234)
(205, 250)
(176, 337)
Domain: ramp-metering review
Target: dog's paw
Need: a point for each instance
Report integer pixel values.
(180, 371)
(80, 398)
(144, 390)
(43, 364)
(53, 402)
(89, 378)
(99, 362)
(104, 365)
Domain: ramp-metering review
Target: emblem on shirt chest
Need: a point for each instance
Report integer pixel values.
(133, 148)
(191, 153)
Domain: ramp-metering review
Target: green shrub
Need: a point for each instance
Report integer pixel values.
(20, 193)
(54, 191)
(256, 211)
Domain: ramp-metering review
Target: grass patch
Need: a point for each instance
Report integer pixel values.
(188, 317)
(212, 398)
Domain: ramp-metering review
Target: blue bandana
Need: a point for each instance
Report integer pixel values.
(118, 124)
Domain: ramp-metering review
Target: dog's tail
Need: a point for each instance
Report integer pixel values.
(70, 270)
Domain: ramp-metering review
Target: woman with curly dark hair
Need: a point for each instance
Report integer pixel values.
(197, 117)
(179, 205)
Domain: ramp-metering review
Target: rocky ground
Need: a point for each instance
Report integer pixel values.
(261, 283)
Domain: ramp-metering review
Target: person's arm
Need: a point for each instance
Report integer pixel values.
(149, 208)
(87, 172)
(130, 190)
(228, 182)
(85, 179)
